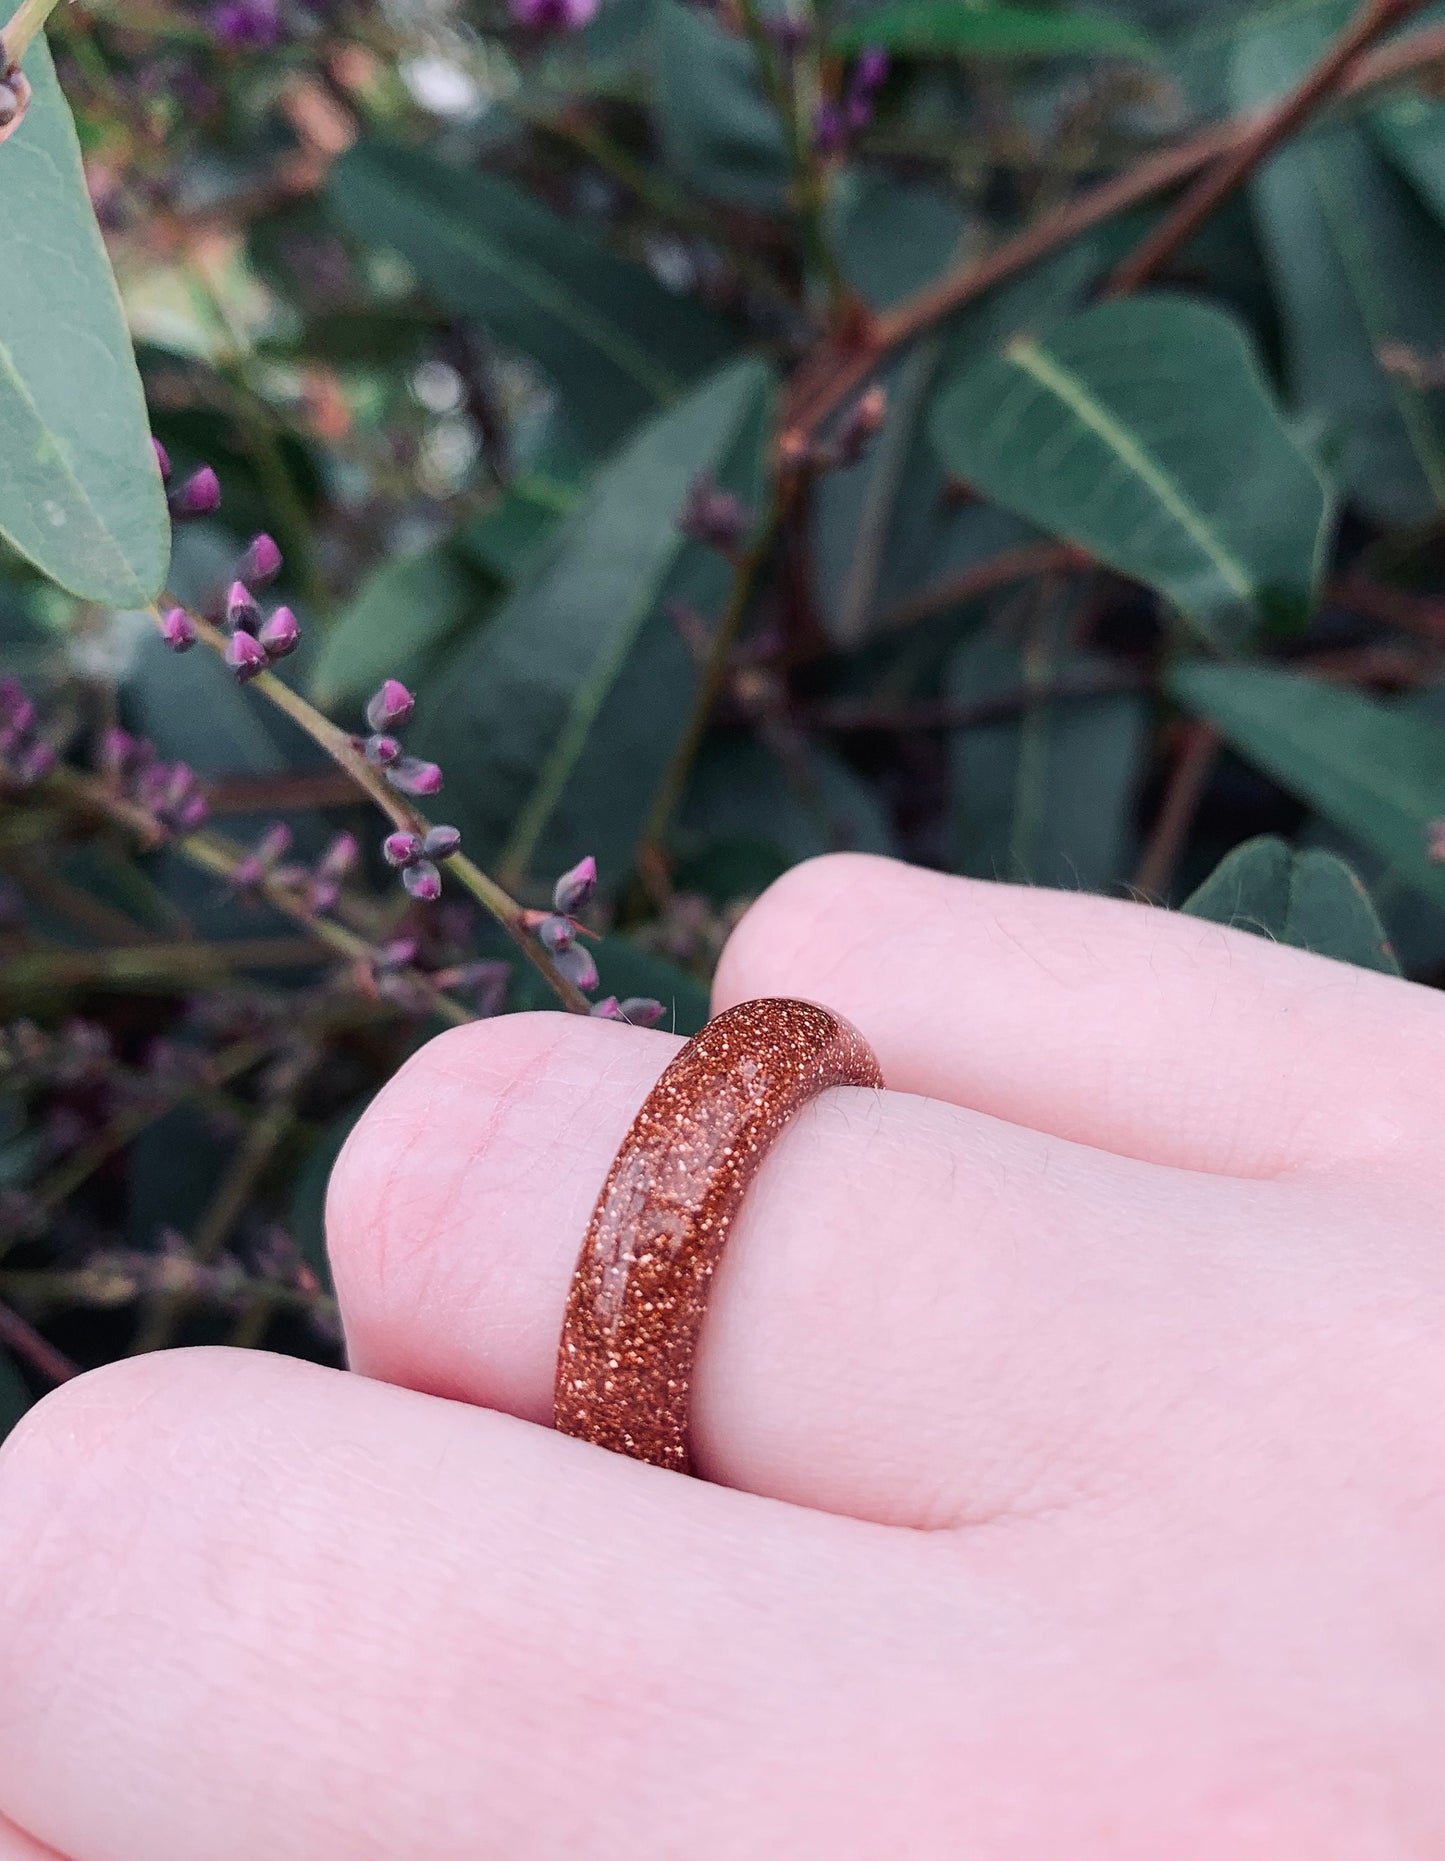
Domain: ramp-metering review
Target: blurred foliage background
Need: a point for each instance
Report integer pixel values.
(1007, 437)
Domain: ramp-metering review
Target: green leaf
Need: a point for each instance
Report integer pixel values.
(1310, 900)
(554, 725)
(80, 494)
(813, 804)
(506, 540)
(1047, 799)
(719, 134)
(1375, 770)
(1144, 430)
(14, 1396)
(957, 28)
(1358, 265)
(405, 615)
(615, 341)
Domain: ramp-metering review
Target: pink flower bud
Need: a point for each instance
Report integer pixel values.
(390, 707)
(245, 655)
(608, 1009)
(381, 752)
(642, 1011)
(241, 609)
(556, 934)
(177, 631)
(280, 634)
(414, 777)
(423, 881)
(576, 965)
(163, 459)
(401, 849)
(441, 842)
(340, 856)
(197, 497)
(573, 891)
(261, 563)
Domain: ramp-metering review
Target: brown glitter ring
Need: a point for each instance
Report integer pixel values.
(639, 1293)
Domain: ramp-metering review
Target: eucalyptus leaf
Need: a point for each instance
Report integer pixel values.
(975, 29)
(616, 342)
(554, 725)
(810, 804)
(405, 615)
(1310, 900)
(1374, 770)
(80, 492)
(1359, 268)
(1145, 431)
(719, 134)
(14, 1396)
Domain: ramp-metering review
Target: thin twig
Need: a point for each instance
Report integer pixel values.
(968, 713)
(1217, 183)
(26, 1342)
(1014, 565)
(840, 369)
(1193, 766)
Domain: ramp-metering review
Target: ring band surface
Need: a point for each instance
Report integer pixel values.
(639, 1292)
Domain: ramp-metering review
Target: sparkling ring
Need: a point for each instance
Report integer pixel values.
(639, 1292)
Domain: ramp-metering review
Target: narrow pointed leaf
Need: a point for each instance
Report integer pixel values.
(80, 494)
(1145, 431)
(616, 342)
(1375, 770)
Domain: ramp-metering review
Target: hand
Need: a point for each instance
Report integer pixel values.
(1071, 1417)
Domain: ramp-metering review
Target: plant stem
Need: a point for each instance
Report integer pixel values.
(21, 1338)
(1268, 131)
(1193, 766)
(341, 747)
(841, 368)
(24, 23)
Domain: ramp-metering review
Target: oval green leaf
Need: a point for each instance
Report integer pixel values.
(1145, 432)
(1310, 900)
(80, 494)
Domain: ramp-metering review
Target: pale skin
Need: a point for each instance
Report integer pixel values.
(1071, 1418)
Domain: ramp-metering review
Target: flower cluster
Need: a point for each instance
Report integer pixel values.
(713, 515)
(389, 708)
(266, 863)
(25, 756)
(416, 856)
(256, 641)
(558, 931)
(170, 793)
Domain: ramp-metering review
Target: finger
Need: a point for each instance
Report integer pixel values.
(15, 1845)
(1115, 1024)
(917, 1309)
(251, 1608)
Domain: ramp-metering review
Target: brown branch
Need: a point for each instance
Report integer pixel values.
(25, 1341)
(1193, 766)
(1014, 565)
(1218, 182)
(839, 370)
(1421, 615)
(968, 713)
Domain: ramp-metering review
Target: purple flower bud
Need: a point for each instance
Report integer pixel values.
(163, 459)
(197, 497)
(608, 1009)
(322, 895)
(117, 749)
(712, 515)
(34, 764)
(245, 655)
(177, 631)
(241, 609)
(441, 842)
(642, 1011)
(414, 777)
(274, 844)
(381, 752)
(261, 563)
(340, 856)
(280, 635)
(575, 964)
(191, 813)
(390, 707)
(397, 953)
(422, 880)
(871, 70)
(553, 15)
(401, 849)
(573, 891)
(245, 25)
(830, 132)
